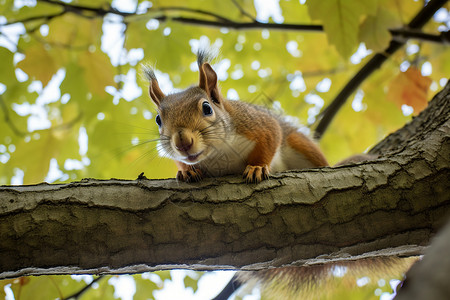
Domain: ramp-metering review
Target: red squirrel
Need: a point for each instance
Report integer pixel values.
(209, 135)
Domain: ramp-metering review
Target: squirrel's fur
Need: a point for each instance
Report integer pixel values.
(208, 135)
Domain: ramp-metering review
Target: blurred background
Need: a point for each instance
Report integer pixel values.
(74, 103)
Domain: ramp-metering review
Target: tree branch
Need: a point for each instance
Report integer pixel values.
(424, 15)
(404, 34)
(221, 21)
(8, 120)
(243, 12)
(78, 294)
(391, 206)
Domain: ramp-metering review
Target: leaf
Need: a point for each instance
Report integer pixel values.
(104, 291)
(191, 282)
(75, 83)
(74, 31)
(38, 63)
(144, 288)
(7, 76)
(410, 88)
(98, 71)
(375, 29)
(164, 275)
(340, 19)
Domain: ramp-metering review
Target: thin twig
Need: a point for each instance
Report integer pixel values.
(83, 290)
(405, 34)
(46, 18)
(242, 10)
(221, 22)
(8, 119)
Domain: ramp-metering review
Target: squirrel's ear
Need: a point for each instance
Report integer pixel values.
(208, 82)
(154, 91)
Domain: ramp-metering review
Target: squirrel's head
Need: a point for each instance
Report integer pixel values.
(192, 122)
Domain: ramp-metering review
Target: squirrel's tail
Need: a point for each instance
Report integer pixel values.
(316, 281)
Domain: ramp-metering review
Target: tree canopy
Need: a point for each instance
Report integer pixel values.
(73, 98)
(73, 103)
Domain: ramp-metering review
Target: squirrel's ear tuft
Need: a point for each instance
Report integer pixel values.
(208, 82)
(154, 91)
(205, 55)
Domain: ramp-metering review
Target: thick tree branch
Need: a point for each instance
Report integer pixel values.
(428, 278)
(391, 206)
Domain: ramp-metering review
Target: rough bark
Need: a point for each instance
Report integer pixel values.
(428, 279)
(391, 206)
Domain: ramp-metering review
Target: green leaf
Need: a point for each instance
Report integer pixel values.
(45, 287)
(340, 19)
(144, 288)
(98, 71)
(7, 76)
(375, 29)
(191, 282)
(36, 56)
(104, 291)
(72, 30)
(74, 83)
(164, 275)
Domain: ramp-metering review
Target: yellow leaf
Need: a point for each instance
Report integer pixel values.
(375, 29)
(38, 64)
(340, 19)
(410, 88)
(75, 31)
(98, 71)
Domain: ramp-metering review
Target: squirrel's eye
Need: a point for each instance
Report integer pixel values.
(207, 109)
(158, 120)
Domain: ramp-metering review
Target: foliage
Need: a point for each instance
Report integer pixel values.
(73, 103)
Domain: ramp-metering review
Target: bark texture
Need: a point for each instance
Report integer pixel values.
(428, 279)
(390, 206)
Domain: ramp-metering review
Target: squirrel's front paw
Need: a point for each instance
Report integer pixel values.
(190, 175)
(254, 174)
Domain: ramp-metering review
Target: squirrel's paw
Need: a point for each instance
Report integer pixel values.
(254, 174)
(190, 175)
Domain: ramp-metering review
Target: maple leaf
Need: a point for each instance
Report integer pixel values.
(410, 88)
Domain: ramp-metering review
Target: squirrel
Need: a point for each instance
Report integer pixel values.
(209, 135)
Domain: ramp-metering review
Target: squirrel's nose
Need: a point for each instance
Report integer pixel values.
(184, 146)
(183, 143)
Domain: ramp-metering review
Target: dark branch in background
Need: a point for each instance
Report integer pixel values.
(405, 34)
(400, 36)
(8, 119)
(221, 21)
(44, 18)
(78, 294)
(98, 11)
(424, 15)
(243, 12)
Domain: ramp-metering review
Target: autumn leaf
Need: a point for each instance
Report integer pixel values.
(98, 71)
(375, 29)
(341, 26)
(35, 58)
(410, 88)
